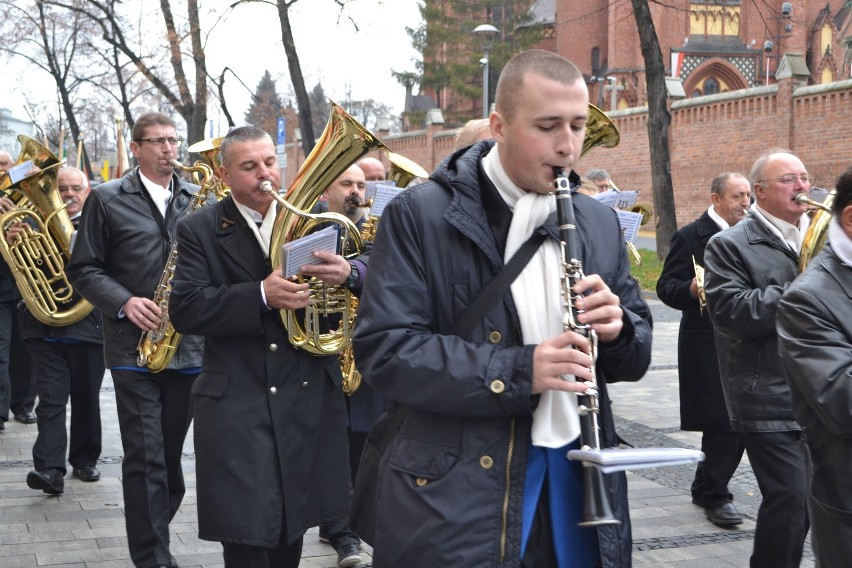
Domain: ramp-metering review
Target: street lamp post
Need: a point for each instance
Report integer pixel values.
(486, 34)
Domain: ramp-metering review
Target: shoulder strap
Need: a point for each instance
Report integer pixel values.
(497, 286)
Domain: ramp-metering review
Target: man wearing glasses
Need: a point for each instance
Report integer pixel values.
(747, 269)
(125, 236)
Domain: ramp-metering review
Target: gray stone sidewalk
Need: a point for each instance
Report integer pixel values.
(84, 528)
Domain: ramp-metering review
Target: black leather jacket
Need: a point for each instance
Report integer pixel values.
(747, 269)
(120, 252)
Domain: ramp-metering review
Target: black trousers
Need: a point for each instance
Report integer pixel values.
(782, 520)
(285, 555)
(154, 413)
(63, 371)
(17, 387)
(722, 454)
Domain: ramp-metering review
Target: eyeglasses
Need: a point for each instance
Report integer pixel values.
(74, 188)
(161, 141)
(790, 179)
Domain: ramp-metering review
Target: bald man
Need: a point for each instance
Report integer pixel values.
(6, 160)
(374, 169)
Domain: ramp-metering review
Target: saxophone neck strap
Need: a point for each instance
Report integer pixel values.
(496, 288)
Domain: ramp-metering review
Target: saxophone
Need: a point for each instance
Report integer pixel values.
(157, 346)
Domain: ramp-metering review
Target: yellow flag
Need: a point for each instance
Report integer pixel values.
(105, 171)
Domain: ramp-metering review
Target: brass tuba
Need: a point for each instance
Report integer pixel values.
(342, 143)
(38, 256)
(817, 231)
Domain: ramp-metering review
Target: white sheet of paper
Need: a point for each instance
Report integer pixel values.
(630, 223)
(384, 193)
(19, 172)
(621, 459)
(300, 252)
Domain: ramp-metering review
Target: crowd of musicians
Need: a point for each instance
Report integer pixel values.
(483, 349)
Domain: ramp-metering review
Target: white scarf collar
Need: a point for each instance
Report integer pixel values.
(537, 293)
(841, 244)
(252, 217)
(717, 218)
(159, 195)
(787, 232)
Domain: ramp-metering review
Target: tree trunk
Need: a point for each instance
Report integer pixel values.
(659, 120)
(302, 101)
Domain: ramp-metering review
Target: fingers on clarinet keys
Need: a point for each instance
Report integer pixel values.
(591, 387)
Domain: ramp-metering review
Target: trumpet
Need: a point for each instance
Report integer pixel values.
(817, 232)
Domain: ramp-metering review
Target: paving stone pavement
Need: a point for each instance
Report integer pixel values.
(84, 527)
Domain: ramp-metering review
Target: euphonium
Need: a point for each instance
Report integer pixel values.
(817, 231)
(157, 347)
(37, 258)
(597, 510)
(342, 142)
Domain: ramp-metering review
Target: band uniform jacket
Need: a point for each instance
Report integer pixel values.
(747, 269)
(450, 487)
(702, 402)
(270, 420)
(815, 336)
(120, 251)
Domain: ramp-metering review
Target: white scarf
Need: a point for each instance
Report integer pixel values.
(263, 234)
(537, 293)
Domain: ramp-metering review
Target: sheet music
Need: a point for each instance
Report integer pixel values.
(630, 223)
(607, 197)
(19, 172)
(622, 459)
(384, 193)
(300, 252)
(624, 199)
(370, 191)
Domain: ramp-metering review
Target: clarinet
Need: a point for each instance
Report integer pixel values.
(597, 510)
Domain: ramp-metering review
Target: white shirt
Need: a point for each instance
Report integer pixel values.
(159, 195)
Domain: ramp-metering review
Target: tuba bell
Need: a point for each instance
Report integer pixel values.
(38, 257)
(403, 169)
(342, 143)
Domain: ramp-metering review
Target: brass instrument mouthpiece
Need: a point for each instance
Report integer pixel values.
(803, 199)
(175, 164)
(266, 186)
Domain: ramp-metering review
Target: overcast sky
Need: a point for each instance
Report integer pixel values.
(330, 50)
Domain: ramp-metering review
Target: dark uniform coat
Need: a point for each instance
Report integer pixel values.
(450, 486)
(270, 421)
(815, 342)
(702, 402)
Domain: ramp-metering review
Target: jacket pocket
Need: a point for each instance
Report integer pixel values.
(425, 448)
(211, 383)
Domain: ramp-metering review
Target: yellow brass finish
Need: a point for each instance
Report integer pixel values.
(157, 347)
(40, 252)
(817, 232)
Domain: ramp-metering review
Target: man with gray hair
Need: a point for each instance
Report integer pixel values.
(600, 178)
(748, 268)
(702, 404)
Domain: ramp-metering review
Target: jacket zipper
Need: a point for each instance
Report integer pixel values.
(505, 521)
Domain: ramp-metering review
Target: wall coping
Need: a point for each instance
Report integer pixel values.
(822, 88)
(727, 96)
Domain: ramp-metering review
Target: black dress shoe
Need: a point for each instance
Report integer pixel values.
(50, 480)
(724, 515)
(87, 473)
(28, 417)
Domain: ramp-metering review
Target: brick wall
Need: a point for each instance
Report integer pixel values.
(709, 135)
